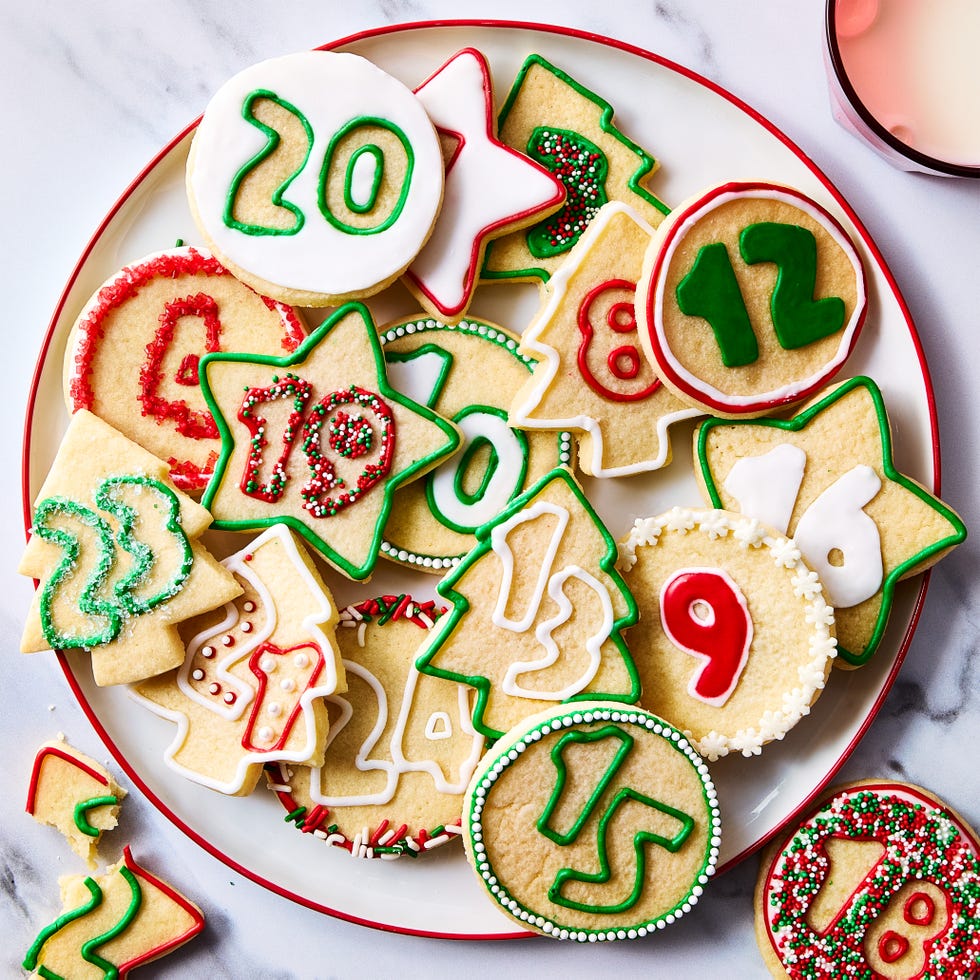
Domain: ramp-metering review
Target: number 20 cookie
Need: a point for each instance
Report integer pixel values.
(752, 297)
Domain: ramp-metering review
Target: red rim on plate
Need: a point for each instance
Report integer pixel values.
(359, 37)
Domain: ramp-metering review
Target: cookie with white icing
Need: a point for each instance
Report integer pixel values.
(737, 638)
(593, 822)
(315, 177)
(401, 748)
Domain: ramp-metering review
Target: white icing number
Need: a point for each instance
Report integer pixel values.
(553, 582)
(838, 540)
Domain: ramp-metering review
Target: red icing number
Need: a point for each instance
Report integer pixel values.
(704, 613)
(192, 423)
(609, 307)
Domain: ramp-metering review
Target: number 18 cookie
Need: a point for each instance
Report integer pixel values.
(752, 297)
(881, 880)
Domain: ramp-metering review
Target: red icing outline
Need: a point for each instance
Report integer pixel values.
(59, 753)
(664, 367)
(485, 233)
(907, 909)
(587, 331)
(900, 946)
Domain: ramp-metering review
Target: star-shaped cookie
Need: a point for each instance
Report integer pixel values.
(490, 188)
(827, 478)
(318, 440)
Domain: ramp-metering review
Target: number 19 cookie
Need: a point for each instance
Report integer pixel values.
(881, 880)
(752, 297)
(315, 177)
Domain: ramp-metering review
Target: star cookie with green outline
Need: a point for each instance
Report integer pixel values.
(318, 440)
(827, 478)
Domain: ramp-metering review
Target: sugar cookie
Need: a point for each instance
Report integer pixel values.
(858, 522)
(882, 879)
(752, 297)
(401, 748)
(593, 822)
(467, 372)
(737, 639)
(115, 547)
(72, 792)
(329, 403)
(538, 611)
(315, 177)
(133, 353)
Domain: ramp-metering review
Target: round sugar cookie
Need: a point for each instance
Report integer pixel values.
(592, 822)
(316, 177)
(736, 638)
(882, 879)
(752, 297)
(401, 746)
(133, 353)
(468, 372)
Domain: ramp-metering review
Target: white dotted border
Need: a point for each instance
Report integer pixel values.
(631, 716)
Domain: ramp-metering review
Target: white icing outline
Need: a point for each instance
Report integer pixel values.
(790, 391)
(772, 725)
(550, 361)
(329, 89)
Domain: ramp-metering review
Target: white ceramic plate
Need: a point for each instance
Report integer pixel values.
(702, 136)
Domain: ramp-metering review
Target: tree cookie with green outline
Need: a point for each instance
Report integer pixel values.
(72, 792)
(113, 924)
(315, 177)
(538, 611)
(591, 374)
(467, 372)
(114, 545)
(569, 129)
(827, 478)
(401, 748)
(318, 440)
(593, 822)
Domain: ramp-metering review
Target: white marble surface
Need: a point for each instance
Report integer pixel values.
(95, 90)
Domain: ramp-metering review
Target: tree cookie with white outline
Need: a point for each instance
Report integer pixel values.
(593, 822)
(133, 353)
(114, 545)
(736, 638)
(318, 440)
(250, 690)
(401, 748)
(315, 177)
(752, 297)
(467, 372)
(569, 129)
(491, 189)
(882, 879)
(592, 375)
(538, 611)
(827, 479)
(72, 792)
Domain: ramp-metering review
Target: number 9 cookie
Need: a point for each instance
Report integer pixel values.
(315, 177)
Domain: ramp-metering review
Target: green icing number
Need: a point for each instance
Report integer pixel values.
(797, 317)
(622, 797)
(363, 207)
(582, 168)
(272, 141)
(711, 290)
(123, 601)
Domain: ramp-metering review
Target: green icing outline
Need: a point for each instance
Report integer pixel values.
(460, 605)
(30, 961)
(272, 141)
(646, 165)
(511, 749)
(377, 154)
(111, 971)
(799, 422)
(384, 390)
(80, 813)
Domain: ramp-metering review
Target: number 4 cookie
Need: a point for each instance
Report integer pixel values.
(827, 478)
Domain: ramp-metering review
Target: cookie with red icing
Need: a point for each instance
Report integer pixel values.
(882, 879)
(133, 353)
